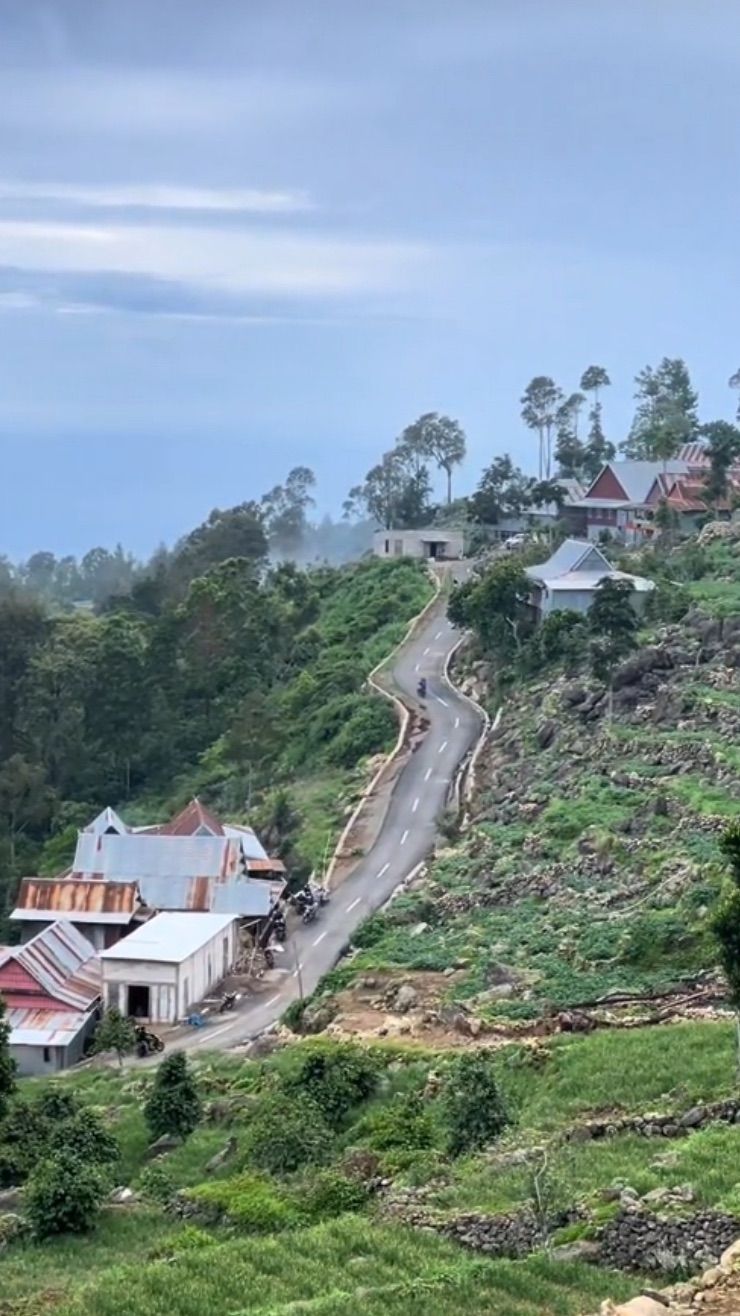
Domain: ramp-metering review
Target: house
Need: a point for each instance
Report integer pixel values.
(686, 495)
(617, 501)
(570, 577)
(166, 966)
(102, 911)
(120, 876)
(51, 988)
(436, 544)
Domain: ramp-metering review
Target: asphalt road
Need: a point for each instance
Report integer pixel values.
(405, 839)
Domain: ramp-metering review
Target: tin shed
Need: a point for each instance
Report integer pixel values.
(167, 965)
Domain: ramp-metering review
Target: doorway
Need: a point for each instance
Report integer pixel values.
(138, 1001)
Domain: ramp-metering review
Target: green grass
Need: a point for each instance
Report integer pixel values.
(339, 1269)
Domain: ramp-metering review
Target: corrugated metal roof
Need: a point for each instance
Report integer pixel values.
(169, 938)
(252, 847)
(566, 558)
(78, 899)
(106, 821)
(265, 866)
(590, 580)
(246, 899)
(134, 856)
(44, 1027)
(189, 822)
(62, 962)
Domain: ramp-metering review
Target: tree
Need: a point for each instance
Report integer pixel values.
(598, 450)
(7, 1064)
(285, 509)
(237, 532)
(666, 520)
(381, 492)
(286, 1133)
(723, 450)
(64, 1194)
(115, 1033)
(666, 415)
(85, 1135)
(173, 1106)
(569, 450)
(444, 440)
(495, 607)
(474, 1109)
(593, 379)
(540, 402)
(502, 490)
(613, 624)
(335, 1077)
(726, 923)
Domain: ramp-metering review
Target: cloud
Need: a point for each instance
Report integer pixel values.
(159, 196)
(263, 262)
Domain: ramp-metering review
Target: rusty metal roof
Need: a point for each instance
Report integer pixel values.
(265, 866)
(78, 899)
(62, 962)
(44, 1027)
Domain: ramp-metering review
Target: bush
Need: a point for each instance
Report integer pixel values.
(286, 1133)
(156, 1183)
(473, 1107)
(331, 1193)
(335, 1076)
(403, 1125)
(174, 1105)
(63, 1195)
(85, 1136)
(249, 1201)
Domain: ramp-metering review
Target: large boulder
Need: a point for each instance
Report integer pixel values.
(639, 665)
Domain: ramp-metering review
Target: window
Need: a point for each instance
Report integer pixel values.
(387, 546)
(47, 1055)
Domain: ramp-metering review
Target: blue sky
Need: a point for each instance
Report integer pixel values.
(238, 235)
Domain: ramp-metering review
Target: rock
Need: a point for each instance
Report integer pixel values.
(405, 997)
(641, 1306)
(693, 1117)
(11, 1199)
(731, 1256)
(418, 929)
(583, 1249)
(123, 1196)
(166, 1143)
(222, 1156)
(545, 733)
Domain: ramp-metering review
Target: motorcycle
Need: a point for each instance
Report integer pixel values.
(228, 1001)
(421, 688)
(147, 1043)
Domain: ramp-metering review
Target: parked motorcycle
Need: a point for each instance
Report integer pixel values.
(147, 1043)
(228, 1001)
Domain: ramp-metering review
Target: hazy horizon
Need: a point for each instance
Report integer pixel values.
(238, 238)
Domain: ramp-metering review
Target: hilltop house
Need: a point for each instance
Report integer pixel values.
(436, 543)
(618, 500)
(51, 988)
(570, 577)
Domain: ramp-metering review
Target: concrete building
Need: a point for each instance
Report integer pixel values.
(51, 989)
(435, 544)
(102, 911)
(568, 581)
(166, 966)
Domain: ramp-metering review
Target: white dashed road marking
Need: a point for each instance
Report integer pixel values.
(443, 702)
(457, 722)
(442, 747)
(383, 870)
(415, 805)
(272, 1000)
(297, 970)
(438, 635)
(405, 837)
(427, 774)
(426, 651)
(352, 906)
(319, 938)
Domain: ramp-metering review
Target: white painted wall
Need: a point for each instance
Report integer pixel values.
(173, 988)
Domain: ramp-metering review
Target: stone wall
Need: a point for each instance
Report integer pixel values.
(653, 1125)
(646, 1242)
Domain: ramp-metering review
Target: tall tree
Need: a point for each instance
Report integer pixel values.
(723, 450)
(598, 450)
(613, 623)
(540, 402)
(285, 512)
(666, 415)
(569, 450)
(439, 438)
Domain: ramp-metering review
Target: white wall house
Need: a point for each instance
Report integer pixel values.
(434, 543)
(568, 581)
(169, 964)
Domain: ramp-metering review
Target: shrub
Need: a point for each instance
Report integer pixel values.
(191, 1238)
(115, 1033)
(335, 1077)
(249, 1201)
(331, 1193)
(85, 1136)
(63, 1195)
(403, 1125)
(23, 1141)
(156, 1183)
(286, 1133)
(473, 1107)
(174, 1105)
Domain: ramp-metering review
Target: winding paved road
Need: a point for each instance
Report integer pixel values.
(405, 839)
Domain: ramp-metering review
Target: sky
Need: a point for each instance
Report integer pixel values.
(240, 235)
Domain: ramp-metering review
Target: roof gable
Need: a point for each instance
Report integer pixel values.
(63, 964)
(607, 485)
(572, 555)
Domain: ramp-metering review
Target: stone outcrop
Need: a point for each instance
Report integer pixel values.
(642, 1241)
